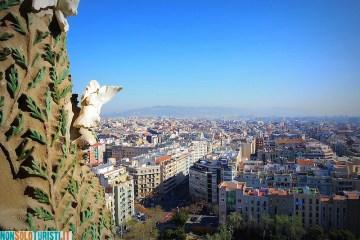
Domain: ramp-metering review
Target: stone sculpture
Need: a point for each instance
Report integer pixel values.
(91, 102)
(45, 184)
(62, 9)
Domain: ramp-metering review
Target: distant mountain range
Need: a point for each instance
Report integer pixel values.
(203, 112)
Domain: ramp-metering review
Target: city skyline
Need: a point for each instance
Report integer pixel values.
(296, 55)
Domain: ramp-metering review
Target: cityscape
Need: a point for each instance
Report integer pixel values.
(212, 169)
(179, 120)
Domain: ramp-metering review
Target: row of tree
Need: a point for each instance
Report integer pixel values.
(148, 229)
(275, 228)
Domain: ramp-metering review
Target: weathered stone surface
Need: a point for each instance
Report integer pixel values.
(61, 8)
(63, 23)
(44, 183)
(42, 4)
(91, 102)
(68, 7)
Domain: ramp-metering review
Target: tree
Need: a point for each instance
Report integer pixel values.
(180, 218)
(314, 233)
(142, 230)
(173, 234)
(223, 234)
(288, 228)
(156, 214)
(234, 222)
(341, 235)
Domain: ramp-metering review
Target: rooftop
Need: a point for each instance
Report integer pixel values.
(232, 185)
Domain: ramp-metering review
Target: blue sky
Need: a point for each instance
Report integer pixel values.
(298, 54)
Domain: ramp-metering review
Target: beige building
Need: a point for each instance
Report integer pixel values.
(253, 203)
(247, 149)
(146, 179)
(120, 151)
(199, 149)
(119, 192)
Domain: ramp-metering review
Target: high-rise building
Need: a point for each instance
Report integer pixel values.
(206, 175)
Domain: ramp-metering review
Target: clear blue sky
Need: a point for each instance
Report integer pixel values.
(298, 54)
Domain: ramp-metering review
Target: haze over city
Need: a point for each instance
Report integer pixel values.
(301, 56)
(222, 120)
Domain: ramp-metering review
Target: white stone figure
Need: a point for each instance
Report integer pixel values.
(62, 9)
(91, 102)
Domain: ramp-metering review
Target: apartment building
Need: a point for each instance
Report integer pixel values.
(199, 149)
(124, 201)
(123, 151)
(281, 202)
(254, 203)
(206, 175)
(307, 205)
(317, 150)
(146, 179)
(247, 149)
(159, 172)
(119, 192)
(228, 192)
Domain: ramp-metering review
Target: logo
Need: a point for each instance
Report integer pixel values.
(35, 235)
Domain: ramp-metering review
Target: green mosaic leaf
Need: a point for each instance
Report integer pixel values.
(63, 122)
(36, 136)
(43, 214)
(47, 103)
(16, 128)
(6, 4)
(19, 58)
(4, 54)
(73, 188)
(36, 170)
(41, 196)
(16, 25)
(36, 58)
(38, 78)
(40, 36)
(49, 55)
(22, 152)
(12, 81)
(5, 36)
(30, 222)
(35, 111)
(72, 228)
(1, 117)
(64, 75)
(1, 101)
(60, 94)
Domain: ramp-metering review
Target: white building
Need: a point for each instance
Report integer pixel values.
(119, 192)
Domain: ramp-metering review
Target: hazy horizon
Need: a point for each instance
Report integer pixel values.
(215, 112)
(297, 55)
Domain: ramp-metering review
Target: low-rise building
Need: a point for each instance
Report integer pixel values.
(123, 151)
